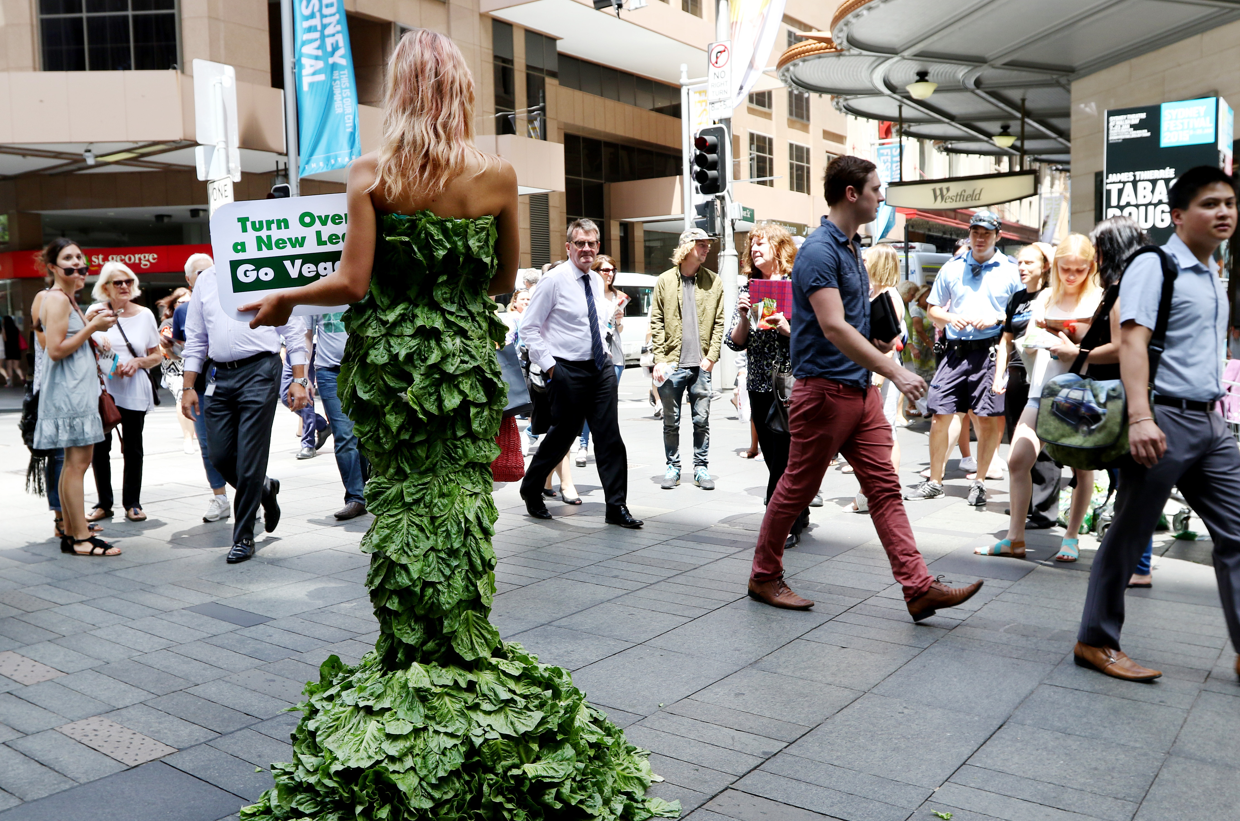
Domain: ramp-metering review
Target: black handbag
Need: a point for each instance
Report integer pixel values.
(884, 324)
(781, 388)
(519, 402)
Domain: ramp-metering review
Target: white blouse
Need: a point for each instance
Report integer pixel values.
(132, 392)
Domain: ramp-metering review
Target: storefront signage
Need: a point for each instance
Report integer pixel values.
(1148, 147)
(962, 192)
(145, 259)
(268, 245)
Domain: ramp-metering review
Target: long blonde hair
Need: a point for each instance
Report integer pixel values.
(781, 244)
(883, 265)
(1075, 245)
(428, 117)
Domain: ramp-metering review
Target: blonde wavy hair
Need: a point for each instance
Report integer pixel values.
(781, 243)
(428, 117)
(1075, 245)
(682, 251)
(882, 263)
(108, 273)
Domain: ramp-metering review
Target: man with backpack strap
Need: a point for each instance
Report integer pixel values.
(1176, 435)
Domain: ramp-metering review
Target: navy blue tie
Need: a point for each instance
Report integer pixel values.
(601, 359)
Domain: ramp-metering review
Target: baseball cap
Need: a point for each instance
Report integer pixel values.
(987, 219)
(693, 235)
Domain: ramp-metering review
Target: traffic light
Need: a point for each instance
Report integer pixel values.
(708, 216)
(711, 160)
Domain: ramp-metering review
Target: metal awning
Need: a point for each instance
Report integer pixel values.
(986, 57)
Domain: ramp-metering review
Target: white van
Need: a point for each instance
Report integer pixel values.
(640, 288)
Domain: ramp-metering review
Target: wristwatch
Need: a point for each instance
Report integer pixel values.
(303, 381)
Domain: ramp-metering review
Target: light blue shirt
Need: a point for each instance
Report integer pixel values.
(1192, 362)
(329, 339)
(972, 289)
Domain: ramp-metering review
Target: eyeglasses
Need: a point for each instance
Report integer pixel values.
(583, 244)
(71, 271)
(606, 270)
(125, 282)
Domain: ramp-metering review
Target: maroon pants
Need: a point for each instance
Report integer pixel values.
(827, 418)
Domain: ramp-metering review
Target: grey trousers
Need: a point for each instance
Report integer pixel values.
(239, 418)
(1203, 460)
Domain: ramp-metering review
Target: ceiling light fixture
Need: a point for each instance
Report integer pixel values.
(1003, 139)
(923, 88)
(89, 156)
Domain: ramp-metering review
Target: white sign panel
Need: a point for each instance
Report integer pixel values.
(962, 192)
(719, 90)
(219, 192)
(262, 246)
(215, 120)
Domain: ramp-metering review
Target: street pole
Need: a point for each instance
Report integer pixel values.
(290, 96)
(728, 263)
(686, 148)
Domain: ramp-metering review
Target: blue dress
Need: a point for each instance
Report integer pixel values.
(68, 395)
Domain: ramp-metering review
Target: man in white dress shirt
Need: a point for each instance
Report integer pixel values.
(565, 331)
(243, 382)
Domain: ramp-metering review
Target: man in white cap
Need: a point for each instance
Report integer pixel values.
(686, 333)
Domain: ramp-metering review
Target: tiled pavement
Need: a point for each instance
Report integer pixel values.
(153, 685)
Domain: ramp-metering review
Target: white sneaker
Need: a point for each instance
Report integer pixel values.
(189, 446)
(968, 463)
(581, 457)
(218, 509)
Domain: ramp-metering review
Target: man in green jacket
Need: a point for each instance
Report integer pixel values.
(686, 332)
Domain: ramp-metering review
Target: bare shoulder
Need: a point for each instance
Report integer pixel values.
(364, 171)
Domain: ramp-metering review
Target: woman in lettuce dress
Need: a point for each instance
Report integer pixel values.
(442, 719)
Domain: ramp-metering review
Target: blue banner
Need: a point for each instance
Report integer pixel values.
(888, 162)
(326, 91)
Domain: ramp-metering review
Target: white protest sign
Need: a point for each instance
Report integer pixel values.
(262, 246)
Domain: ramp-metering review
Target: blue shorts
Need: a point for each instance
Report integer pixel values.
(964, 382)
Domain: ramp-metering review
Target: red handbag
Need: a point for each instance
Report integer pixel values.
(510, 465)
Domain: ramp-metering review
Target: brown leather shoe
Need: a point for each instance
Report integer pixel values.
(939, 596)
(777, 594)
(1113, 663)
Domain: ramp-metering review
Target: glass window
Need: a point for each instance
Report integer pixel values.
(760, 99)
(108, 35)
(591, 159)
(693, 7)
(501, 40)
(590, 78)
(570, 72)
(609, 80)
(536, 95)
(533, 50)
(505, 77)
(645, 93)
(761, 159)
(798, 105)
(628, 88)
(572, 155)
(792, 38)
(798, 168)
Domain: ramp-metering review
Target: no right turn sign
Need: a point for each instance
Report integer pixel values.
(719, 79)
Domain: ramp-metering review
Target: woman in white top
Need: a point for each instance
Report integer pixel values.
(1061, 313)
(134, 340)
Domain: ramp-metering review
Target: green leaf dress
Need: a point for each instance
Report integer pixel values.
(442, 720)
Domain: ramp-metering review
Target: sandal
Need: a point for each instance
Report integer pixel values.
(60, 531)
(549, 493)
(98, 547)
(748, 454)
(98, 514)
(1004, 547)
(576, 500)
(1069, 551)
(135, 514)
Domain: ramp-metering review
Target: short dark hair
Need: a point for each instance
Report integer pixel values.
(843, 173)
(1189, 184)
(583, 225)
(1114, 241)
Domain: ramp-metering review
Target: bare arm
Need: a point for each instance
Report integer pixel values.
(36, 308)
(829, 311)
(1002, 353)
(509, 247)
(944, 318)
(56, 330)
(1145, 440)
(1109, 353)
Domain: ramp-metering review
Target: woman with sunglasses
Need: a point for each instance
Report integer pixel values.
(135, 342)
(69, 390)
(616, 300)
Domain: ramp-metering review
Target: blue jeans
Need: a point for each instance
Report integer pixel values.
(200, 427)
(51, 479)
(349, 460)
(585, 426)
(1143, 566)
(697, 381)
(311, 422)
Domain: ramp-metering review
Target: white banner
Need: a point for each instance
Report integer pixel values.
(755, 24)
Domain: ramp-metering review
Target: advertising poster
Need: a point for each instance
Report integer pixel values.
(266, 245)
(328, 136)
(1148, 147)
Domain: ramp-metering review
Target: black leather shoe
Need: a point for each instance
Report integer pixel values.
(241, 551)
(271, 508)
(1039, 523)
(350, 511)
(619, 515)
(792, 541)
(536, 507)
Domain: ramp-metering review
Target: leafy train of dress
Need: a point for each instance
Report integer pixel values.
(442, 720)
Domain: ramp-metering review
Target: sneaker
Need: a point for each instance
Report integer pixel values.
(218, 509)
(701, 478)
(926, 490)
(968, 464)
(307, 453)
(581, 457)
(189, 445)
(817, 501)
(977, 495)
(671, 478)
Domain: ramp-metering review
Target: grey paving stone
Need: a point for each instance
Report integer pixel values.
(202, 712)
(689, 799)
(55, 621)
(239, 698)
(779, 697)
(64, 701)
(123, 607)
(693, 751)
(280, 727)
(24, 632)
(259, 749)
(232, 615)
(842, 666)
(570, 649)
(25, 717)
(825, 800)
(641, 678)
(165, 628)
(26, 778)
(627, 622)
(161, 726)
(1107, 718)
(220, 657)
(710, 733)
(733, 804)
(59, 657)
(693, 776)
(1187, 788)
(873, 734)
(222, 770)
(1079, 802)
(147, 678)
(161, 792)
(548, 601)
(747, 631)
(268, 683)
(95, 647)
(129, 637)
(306, 627)
(104, 688)
(846, 781)
(66, 756)
(247, 646)
(292, 669)
(281, 638)
(962, 680)
(1211, 731)
(737, 719)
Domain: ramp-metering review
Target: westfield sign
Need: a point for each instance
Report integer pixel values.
(968, 192)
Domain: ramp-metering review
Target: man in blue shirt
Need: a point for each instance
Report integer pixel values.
(835, 408)
(1177, 436)
(970, 298)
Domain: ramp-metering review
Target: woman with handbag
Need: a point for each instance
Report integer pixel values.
(1061, 314)
(770, 255)
(69, 394)
(135, 342)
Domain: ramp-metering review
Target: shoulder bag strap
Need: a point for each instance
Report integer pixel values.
(1158, 341)
(1090, 340)
(125, 337)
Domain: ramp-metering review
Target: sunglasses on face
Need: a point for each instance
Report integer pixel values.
(606, 270)
(583, 244)
(72, 271)
(125, 282)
